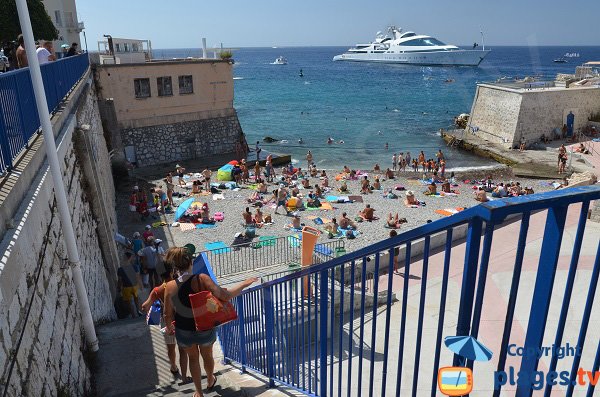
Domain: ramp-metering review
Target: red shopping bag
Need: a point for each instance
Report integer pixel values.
(210, 312)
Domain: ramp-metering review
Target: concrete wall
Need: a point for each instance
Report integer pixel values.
(41, 340)
(503, 115)
(212, 82)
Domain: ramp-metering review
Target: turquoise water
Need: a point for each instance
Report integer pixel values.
(367, 105)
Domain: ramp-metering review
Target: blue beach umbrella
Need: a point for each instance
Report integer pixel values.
(468, 348)
(183, 207)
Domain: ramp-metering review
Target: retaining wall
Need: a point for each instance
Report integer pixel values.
(42, 349)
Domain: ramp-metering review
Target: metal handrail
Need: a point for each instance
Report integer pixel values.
(290, 329)
(19, 119)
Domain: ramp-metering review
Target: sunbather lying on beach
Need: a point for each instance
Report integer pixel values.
(258, 217)
(332, 227)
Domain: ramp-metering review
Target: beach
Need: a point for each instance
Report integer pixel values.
(234, 203)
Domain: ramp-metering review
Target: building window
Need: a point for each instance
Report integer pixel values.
(58, 18)
(165, 88)
(69, 22)
(186, 85)
(142, 88)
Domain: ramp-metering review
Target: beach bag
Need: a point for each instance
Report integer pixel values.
(219, 216)
(210, 312)
(154, 314)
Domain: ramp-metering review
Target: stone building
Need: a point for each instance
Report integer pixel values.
(168, 111)
(505, 113)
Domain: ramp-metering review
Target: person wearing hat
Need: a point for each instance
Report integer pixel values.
(147, 233)
(410, 199)
(137, 244)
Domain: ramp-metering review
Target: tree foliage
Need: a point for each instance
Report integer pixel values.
(10, 28)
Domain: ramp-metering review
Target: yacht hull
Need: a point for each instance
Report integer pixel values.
(430, 58)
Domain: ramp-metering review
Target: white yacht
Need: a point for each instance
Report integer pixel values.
(280, 61)
(397, 46)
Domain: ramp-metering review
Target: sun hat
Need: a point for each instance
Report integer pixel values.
(136, 187)
(148, 227)
(157, 241)
(136, 234)
(409, 193)
(190, 248)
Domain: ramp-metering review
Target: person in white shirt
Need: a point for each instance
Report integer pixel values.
(44, 53)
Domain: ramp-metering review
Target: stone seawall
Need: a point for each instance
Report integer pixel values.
(42, 347)
(185, 140)
(503, 115)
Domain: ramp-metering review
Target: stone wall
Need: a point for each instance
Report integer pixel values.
(495, 113)
(504, 115)
(186, 140)
(41, 338)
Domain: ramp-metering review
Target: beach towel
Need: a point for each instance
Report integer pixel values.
(159, 224)
(205, 226)
(186, 227)
(266, 241)
(449, 211)
(218, 197)
(356, 199)
(295, 240)
(331, 199)
(217, 247)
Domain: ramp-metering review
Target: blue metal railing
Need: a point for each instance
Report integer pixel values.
(322, 332)
(19, 118)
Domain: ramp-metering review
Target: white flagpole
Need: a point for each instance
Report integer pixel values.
(59, 189)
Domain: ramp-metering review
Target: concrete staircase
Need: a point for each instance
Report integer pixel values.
(132, 361)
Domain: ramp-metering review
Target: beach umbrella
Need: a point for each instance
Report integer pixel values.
(65, 46)
(468, 348)
(183, 207)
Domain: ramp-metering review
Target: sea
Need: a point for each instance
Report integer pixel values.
(368, 105)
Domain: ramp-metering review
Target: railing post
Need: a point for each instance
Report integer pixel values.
(323, 294)
(270, 326)
(242, 322)
(542, 293)
(468, 281)
(4, 144)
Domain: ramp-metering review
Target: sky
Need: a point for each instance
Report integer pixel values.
(261, 23)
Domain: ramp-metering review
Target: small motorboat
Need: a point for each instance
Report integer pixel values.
(280, 61)
(560, 60)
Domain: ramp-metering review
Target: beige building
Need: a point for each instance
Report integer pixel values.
(64, 15)
(165, 111)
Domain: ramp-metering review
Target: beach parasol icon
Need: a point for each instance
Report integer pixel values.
(183, 207)
(468, 347)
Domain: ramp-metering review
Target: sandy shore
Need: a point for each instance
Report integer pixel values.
(235, 202)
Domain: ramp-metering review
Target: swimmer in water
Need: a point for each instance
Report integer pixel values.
(341, 142)
(330, 140)
(300, 141)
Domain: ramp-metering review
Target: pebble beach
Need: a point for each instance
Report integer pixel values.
(234, 202)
